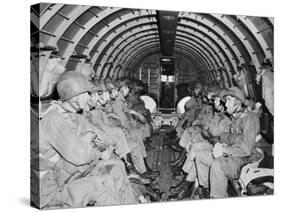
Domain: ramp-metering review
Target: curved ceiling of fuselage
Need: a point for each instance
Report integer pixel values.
(116, 39)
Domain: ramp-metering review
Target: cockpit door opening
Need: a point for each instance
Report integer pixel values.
(167, 88)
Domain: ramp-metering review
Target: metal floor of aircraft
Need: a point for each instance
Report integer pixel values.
(159, 158)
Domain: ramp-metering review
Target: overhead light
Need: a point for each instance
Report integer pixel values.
(166, 59)
(168, 17)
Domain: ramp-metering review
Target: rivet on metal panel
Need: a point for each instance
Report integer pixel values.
(80, 25)
(66, 39)
(63, 15)
(268, 27)
(94, 33)
(93, 13)
(47, 33)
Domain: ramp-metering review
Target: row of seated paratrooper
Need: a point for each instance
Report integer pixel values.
(216, 137)
(93, 141)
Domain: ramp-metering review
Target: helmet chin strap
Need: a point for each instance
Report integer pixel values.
(69, 107)
(74, 105)
(113, 96)
(238, 111)
(120, 95)
(101, 102)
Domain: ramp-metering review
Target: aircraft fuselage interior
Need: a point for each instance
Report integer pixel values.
(139, 105)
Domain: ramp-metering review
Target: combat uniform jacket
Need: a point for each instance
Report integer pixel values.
(120, 108)
(135, 134)
(242, 137)
(189, 116)
(112, 132)
(216, 124)
(193, 134)
(71, 174)
(240, 142)
(204, 114)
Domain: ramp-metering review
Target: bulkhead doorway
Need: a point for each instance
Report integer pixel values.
(167, 85)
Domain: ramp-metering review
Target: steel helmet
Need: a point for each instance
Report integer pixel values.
(205, 89)
(100, 85)
(137, 87)
(94, 87)
(213, 89)
(110, 84)
(237, 93)
(72, 83)
(219, 92)
(198, 85)
(123, 82)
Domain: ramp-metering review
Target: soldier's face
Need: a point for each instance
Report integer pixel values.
(79, 102)
(104, 97)
(231, 105)
(210, 95)
(218, 78)
(211, 98)
(83, 100)
(205, 99)
(218, 105)
(113, 93)
(94, 99)
(124, 91)
(196, 91)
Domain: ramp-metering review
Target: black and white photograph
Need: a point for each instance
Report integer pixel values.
(135, 106)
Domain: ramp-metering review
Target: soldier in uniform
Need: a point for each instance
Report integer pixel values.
(202, 139)
(149, 173)
(234, 149)
(196, 115)
(112, 130)
(73, 168)
(136, 104)
(135, 136)
(192, 109)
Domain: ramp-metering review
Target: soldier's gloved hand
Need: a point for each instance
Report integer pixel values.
(218, 150)
(107, 153)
